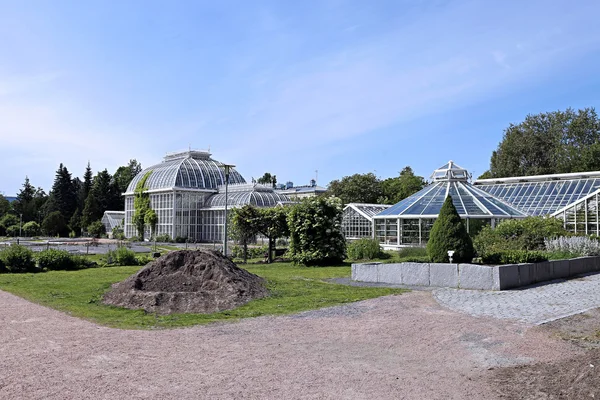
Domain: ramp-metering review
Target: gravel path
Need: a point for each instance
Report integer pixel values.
(395, 347)
(536, 305)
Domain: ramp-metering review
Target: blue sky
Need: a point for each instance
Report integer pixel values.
(288, 87)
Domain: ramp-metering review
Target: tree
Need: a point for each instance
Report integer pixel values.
(31, 228)
(75, 222)
(449, 233)
(86, 186)
(63, 197)
(315, 231)
(399, 188)
(358, 188)
(549, 143)
(272, 223)
(54, 224)
(151, 219)
(125, 174)
(91, 212)
(96, 229)
(25, 204)
(243, 226)
(4, 206)
(7, 221)
(268, 179)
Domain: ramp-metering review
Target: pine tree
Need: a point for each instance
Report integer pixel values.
(24, 204)
(86, 186)
(63, 197)
(449, 233)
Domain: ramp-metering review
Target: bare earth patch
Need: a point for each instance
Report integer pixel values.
(395, 347)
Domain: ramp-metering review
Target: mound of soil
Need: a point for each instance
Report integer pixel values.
(186, 281)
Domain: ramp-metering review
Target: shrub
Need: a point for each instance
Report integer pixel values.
(576, 245)
(117, 233)
(18, 259)
(412, 252)
(315, 231)
(31, 228)
(3, 268)
(96, 229)
(364, 249)
(518, 234)
(122, 256)
(514, 257)
(13, 230)
(181, 239)
(449, 233)
(55, 260)
(164, 238)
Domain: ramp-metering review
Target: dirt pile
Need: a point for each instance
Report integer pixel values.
(185, 281)
(574, 378)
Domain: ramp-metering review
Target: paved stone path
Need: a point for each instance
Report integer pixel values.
(536, 305)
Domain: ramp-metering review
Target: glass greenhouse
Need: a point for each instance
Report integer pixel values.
(542, 194)
(187, 193)
(409, 221)
(112, 219)
(357, 220)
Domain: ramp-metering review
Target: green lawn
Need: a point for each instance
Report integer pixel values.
(292, 289)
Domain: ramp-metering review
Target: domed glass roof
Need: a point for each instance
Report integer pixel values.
(241, 195)
(189, 170)
(452, 180)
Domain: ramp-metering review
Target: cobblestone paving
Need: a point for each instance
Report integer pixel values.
(535, 305)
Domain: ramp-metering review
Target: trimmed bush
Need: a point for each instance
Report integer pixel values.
(96, 229)
(56, 260)
(164, 238)
(18, 259)
(449, 233)
(31, 228)
(364, 249)
(514, 257)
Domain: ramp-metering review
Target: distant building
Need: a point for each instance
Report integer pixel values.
(357, 219)
(113, 219)
(299, 192)
(187, 192)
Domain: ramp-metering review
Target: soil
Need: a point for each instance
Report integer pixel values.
(572, 378)
(187, 281)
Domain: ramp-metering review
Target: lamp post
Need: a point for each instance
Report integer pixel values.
(227, 169)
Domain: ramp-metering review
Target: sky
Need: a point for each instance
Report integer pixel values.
(289, 87)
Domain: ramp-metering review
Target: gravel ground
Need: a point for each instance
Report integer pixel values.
(395, 347)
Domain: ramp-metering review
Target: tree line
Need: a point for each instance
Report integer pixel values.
(72, 206)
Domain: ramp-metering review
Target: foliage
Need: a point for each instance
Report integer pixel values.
(31, 228)
(549, 143)
(268, 179)
(399, 188)
(13, 230)
(7, 221)
(96, 229)
(141, 205)
(4, 205)
(3, 268)
(54, 225)
(252, 252)
(56, 260)
(364, 249)
(151, 219)
(122, 256)
(118, 233)
(243, 227)
(357, 188)
(518, 234)
(514, 257)
(63, 197)
(449, 233)
(124, 175)
(292, 289)
(315, 231)
(407, 252)
(578, 246)
(181, 239)
(75, 222)
(164, 238)
(18, 259)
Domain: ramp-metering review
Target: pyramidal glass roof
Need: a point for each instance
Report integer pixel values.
(452, 180)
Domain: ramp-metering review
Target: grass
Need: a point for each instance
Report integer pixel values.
(292, 289)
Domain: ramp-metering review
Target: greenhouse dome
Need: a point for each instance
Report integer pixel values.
(247, 194)
(410, 220)
(187, 170)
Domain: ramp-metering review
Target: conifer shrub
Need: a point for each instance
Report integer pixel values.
(449, 233)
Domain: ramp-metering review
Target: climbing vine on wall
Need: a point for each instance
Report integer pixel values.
(141, 205)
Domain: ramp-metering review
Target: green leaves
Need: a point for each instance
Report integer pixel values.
(449, 233)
